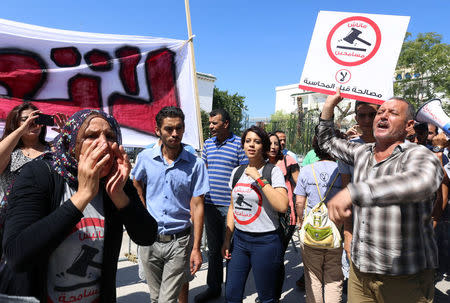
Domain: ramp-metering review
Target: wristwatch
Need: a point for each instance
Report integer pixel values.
(262, 182)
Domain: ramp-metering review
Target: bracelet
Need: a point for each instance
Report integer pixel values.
(262, 182)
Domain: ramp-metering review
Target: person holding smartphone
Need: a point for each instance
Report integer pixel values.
(23, 140)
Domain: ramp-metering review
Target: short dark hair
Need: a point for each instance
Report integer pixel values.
(169, 112)
(436, 129)
(279, 155)
(13, 122)
(320, 153)
(279, 131)
(421, 126)
(262, 134)
(220, 111)
(359, 103)
(411, 111)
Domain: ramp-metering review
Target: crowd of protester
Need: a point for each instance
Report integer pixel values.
(384, 185)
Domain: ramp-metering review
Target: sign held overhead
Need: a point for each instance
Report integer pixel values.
(357, 52)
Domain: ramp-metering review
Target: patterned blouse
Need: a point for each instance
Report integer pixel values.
(18, 159)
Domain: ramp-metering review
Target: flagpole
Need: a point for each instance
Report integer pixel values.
(191, 45)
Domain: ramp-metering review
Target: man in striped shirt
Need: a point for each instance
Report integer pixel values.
(221, 153)
(393, 252)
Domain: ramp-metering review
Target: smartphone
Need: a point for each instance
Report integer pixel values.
(44, 119)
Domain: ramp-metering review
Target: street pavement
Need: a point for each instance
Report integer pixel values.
(131, 289)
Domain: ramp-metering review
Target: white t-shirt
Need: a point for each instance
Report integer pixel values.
(251, 209)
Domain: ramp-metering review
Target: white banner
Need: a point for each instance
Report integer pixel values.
(357, 52)
(130, 77)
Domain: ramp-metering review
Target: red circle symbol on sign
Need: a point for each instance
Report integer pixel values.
(252, 214)
(353, 41)
(343, 76)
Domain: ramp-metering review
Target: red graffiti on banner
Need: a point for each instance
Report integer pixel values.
(129, 58)
(23, 74)
(66, 56)
(160, 76)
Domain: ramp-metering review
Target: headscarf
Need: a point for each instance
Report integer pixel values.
(62, 158)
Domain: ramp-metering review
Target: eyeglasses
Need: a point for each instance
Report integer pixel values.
(366, 115)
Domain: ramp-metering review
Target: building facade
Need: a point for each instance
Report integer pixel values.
(205, 83)
(286, 100)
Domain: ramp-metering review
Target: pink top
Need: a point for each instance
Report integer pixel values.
(289, 161)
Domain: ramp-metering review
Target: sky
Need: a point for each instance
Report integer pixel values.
(251, 47)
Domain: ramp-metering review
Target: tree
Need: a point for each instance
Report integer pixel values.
(299, 132)
(205, 124)
(425, 63)
(233, 104)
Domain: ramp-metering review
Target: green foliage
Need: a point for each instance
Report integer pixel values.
(205, 124)
(427, 61)
(233, 104)
(299, 132)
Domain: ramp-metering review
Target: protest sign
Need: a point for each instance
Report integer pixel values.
(357, 52)
(130, 77)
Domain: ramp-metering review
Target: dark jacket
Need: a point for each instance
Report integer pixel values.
(37, 223)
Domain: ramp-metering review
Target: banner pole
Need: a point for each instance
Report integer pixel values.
(191, 45)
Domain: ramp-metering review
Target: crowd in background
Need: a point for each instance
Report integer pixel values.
(62, 214)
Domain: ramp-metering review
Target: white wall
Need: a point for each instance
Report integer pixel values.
(205, 84)
(284, 100)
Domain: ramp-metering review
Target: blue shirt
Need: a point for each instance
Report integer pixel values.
(170, 187)
(187, 147)
(221, 158)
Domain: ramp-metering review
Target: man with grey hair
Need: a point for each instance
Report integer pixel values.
(393, 253)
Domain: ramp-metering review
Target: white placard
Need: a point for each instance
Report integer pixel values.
(357, 52)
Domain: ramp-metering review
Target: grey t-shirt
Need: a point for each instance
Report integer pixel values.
(326, 172)
(251, 209)
(74, 269)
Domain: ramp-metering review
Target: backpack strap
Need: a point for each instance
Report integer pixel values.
(267, 172)
(288, 171)
(238, 174)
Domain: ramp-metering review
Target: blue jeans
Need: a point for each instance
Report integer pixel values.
(261, 252)
(215, 219)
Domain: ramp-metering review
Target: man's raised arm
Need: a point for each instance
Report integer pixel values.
(339, 149)
(330, 104)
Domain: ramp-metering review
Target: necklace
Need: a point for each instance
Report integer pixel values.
(30, 152)
(26, 153)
